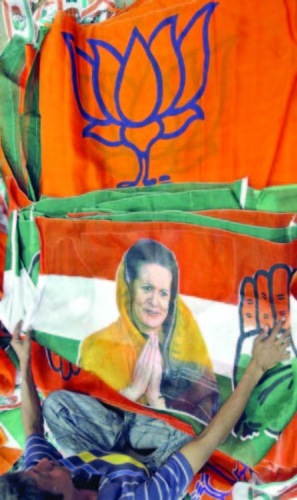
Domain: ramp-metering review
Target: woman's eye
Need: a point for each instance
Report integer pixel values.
(147, 288)
(164, 294)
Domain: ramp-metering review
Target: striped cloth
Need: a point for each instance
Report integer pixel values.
(118, 476)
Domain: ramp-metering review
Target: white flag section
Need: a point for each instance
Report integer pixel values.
(75, 307)
(248, 491)
(18, 299)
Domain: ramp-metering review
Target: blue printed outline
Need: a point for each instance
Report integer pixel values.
(253, 280)
(204, 486)
(95, 76)
(68, 38)
(136, 35)
(87, 132)
(124, 122)
(60, 369)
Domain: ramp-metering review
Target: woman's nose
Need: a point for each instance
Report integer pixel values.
(154, 298)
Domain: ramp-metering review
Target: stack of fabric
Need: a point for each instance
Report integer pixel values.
(122, 143)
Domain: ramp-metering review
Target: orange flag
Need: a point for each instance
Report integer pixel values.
(170, 91)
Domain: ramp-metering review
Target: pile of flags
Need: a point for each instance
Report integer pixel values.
(170, 122)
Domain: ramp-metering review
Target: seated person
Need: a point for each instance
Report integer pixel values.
(94, 474)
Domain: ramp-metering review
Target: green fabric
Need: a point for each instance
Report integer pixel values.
(20, 132)
(185, 197)
(89, 201)
(12, 62)
(30, 126)
(127, 207)
(66, 348)
(170, 203)
(29, 246)
(11, 420)
(280, 199)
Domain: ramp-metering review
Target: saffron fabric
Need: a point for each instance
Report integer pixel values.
(159, 94)
(227, 43)
(214, 98)
(76, 279)
(63, 256)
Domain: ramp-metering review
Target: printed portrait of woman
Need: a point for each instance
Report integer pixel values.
(154, 353)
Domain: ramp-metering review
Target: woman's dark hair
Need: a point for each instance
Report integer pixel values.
(148, 251)
(18, 486)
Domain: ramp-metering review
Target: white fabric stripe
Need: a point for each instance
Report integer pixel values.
(128, 473)
(35, 437)
(75, 307)
(165, 482)
(13, 237)
(31, 309)
(158, 488)
(103, 483)
(243, 191)
(146, 491)
(41, 443)
(172, 473)
(69, 465)
(182, 467)
(43, 447)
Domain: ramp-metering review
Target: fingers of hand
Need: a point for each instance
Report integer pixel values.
(29, 335)
(145, 363)
(141, 375)
(274, 334)
(21, 338)
(280, 347)
(284, 338)
(17, 330)
(145, 353)
(263, 334)
(284, 354)
(277, 328)
(158, 362)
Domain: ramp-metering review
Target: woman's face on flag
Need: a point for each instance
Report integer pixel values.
(151, 297)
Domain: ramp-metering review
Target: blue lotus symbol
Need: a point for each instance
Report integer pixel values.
(138, 108)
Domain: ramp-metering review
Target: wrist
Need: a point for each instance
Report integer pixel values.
(156, 402)
(131, 392)
(25, 365)
(255, 370)
(153, 397)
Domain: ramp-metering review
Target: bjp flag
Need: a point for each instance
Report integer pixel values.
(170, 91)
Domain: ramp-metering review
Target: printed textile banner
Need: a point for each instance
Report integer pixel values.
(205, 326)
(23, 25)
(189, 122)
(85, 304)
(170, 91)
(159, 274)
